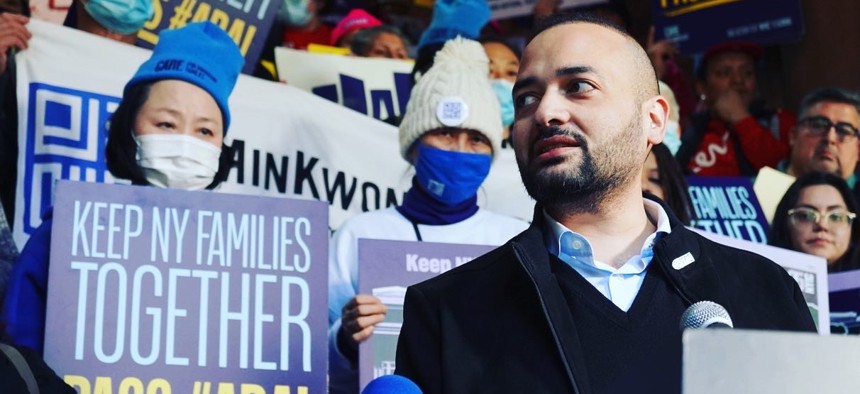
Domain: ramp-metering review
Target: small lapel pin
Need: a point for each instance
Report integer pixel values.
(683, 261)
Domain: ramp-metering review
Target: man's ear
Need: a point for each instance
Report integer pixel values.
(657, 115)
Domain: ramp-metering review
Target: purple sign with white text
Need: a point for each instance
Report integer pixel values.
(385, 269)
(727, 206)
(187, 292)
(696, 25)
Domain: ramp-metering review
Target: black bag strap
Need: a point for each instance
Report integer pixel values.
(21, 365)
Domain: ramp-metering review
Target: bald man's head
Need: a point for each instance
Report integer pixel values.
(587, 112)
(644, 75)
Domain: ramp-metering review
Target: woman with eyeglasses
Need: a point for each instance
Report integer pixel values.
(817, 216)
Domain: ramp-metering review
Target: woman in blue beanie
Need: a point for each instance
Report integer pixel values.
(168, 131)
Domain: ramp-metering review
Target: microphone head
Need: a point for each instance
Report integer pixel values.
(704, 314)
(391, 384)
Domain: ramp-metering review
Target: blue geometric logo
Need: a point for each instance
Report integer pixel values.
(65, 139)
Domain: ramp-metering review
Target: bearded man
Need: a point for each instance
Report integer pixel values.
(588, 299)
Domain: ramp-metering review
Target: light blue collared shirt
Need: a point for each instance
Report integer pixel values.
(618, 285)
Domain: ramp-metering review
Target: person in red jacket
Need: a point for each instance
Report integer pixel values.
(733, 134)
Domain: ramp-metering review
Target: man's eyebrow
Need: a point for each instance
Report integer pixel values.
(561, 72)
(573, 70)
(524, 82)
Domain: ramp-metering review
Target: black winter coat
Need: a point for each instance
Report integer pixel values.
(500, 323)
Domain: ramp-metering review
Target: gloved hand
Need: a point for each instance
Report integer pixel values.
(452, 18)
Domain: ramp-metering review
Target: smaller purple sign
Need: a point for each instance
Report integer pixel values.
(727, 206)
(385, 269)
(187, 292)
(845, 302)
(696, 25)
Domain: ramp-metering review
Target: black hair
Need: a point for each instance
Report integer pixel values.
(830, 94)
(424, 60)
(563, 18)
(779, 229)
(612, 7)
(489, 38)
(121, 149)
(674, 185)
(363, 40)
(427, 54)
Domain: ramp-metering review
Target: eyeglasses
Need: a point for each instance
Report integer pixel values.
(820, 125)
(806, 217)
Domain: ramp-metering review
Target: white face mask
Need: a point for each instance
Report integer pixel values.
(177, 161)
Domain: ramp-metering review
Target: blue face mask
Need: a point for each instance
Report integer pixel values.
(451, 177)
(120, 16)
(504, 92)
(295, 13)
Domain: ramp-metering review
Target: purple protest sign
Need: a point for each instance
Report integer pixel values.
(696, 25)
(845, 302)
(385, 269)
(727, 206)
(187, 292)
(246, 21)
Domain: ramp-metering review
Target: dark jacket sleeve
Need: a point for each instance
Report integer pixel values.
(26, 295)
(418, 348)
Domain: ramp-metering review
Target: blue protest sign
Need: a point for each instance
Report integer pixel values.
(696, 25)
(727, 206)
(247, 21)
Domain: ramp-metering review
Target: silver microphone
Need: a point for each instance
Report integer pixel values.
(705, 314)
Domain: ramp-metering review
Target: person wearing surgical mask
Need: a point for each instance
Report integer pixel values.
(168, 131)
(302, 23)
(504, 65)
(118, 20)
(451, 132)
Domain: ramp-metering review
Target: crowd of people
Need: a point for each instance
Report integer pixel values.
(604, 130)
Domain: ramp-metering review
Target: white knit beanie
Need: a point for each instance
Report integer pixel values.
(455, 92)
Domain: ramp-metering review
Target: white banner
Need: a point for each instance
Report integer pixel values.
(376, 87)
(289, 142)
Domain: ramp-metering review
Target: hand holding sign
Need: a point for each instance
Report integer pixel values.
(357, 320)
(13, 34)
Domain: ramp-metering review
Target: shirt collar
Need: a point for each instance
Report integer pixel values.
(653, 210)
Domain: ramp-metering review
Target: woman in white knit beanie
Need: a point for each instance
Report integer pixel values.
(451, 132)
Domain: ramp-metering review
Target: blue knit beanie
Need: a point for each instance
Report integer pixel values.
(200, 53)
(452, 18)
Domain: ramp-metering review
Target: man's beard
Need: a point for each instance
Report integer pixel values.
(590, 185)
